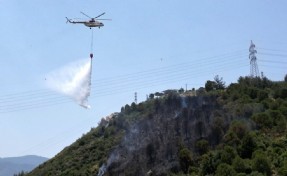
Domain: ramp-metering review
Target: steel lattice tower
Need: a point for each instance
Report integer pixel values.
(254, 72)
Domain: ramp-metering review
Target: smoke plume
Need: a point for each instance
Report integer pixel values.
(73, 80)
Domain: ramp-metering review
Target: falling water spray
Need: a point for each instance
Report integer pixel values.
(73, 80)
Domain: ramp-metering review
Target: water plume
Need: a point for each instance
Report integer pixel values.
(73, 80)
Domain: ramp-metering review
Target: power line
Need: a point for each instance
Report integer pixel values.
(176, 73)
(268, 49)
(51, 103)
(179, 75)
(273, 62)
(129, 82)
(166, 73)
(203, 60)
(272, 54)
(48, 101)
(122, 78)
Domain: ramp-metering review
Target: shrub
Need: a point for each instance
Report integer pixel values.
(228, 154)
(208, 164)
(248, 146)
(225, 170)
(219, 83)
(283, 93)
(256, 173)
(202, 146)
(262, 120)
(283, 169)
(262, 94)
(252, 92)
(185, 159)
(239, 165)
(278, 120)
(235, 96)
(209, 85)
(231, 139)
(239, 128)
(261, 163)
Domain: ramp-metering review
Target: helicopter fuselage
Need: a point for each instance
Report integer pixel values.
(93, 24)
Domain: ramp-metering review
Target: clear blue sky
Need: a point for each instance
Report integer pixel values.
(149, 46)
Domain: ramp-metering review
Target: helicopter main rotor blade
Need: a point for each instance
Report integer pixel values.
(100, 15)
(85, 14)
(105, 19)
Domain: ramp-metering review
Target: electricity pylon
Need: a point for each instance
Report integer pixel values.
(254, 72)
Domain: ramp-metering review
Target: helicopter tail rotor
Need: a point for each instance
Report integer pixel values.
(68, 20)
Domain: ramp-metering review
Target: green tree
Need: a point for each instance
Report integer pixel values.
(248, 146)
(255, 173)
(262, 94)
(261, 163)
(219, 83)
(202, 146)
(151, 96)
(208, 164)
(262, 120)
(200, 91)
(22, 173)
(209, 85)
(266, 82)
(228, 154)
(279, 120)
(185, 159)
(231, 139)
(252, 92)
(245, 81)
(283, 169)
(283, 93)
(217, 130)
(181, 90)
(158, 94)
(239, 128)
(127, 109)
(122, 109)
(133, 106)
(157, 105)
(225, 170)
(239, 165)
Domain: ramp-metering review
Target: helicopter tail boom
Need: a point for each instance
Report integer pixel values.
(68, 20)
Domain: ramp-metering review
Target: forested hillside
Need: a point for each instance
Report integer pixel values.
(217, 130)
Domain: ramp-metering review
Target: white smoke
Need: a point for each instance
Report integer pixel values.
(102, 170)
(73, 80)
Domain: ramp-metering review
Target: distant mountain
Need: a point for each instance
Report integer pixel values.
(13, 165)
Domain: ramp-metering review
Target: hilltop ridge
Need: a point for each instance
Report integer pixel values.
(239, 129)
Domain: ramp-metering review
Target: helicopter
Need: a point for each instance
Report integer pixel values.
(91, 23)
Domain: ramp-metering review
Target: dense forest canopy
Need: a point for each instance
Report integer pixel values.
(239, 129)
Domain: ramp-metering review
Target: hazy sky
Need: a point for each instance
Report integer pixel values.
(149, 46)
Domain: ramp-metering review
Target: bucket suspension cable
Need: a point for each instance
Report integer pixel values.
(92, 43)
